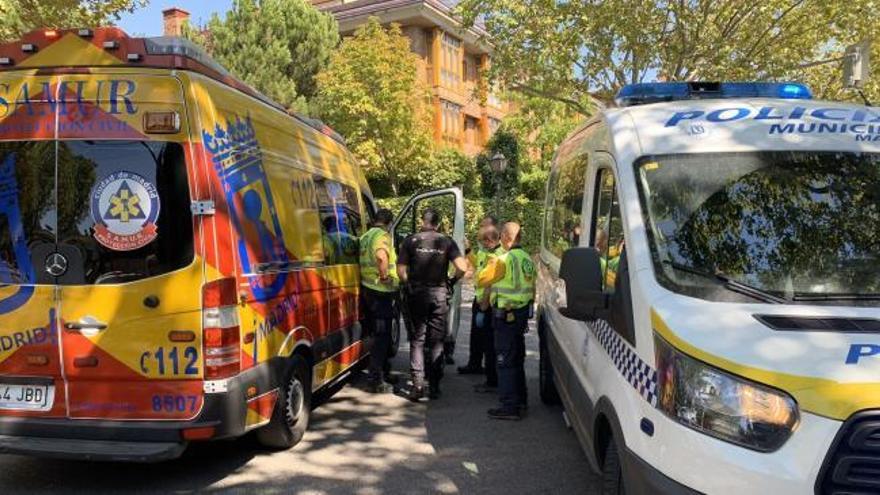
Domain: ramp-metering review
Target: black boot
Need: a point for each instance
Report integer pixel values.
(470, 370)
(416, 394)
(506, 414)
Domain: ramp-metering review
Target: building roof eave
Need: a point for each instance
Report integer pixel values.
(433, 12)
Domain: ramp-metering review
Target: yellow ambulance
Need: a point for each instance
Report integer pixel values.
(172, 260)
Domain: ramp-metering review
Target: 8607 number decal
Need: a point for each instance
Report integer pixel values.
(175, 403)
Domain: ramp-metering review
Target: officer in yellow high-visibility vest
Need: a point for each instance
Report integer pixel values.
(482, 345)
(511, 279)
(379, 286)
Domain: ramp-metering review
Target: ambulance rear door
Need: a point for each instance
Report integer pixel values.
(130, 291)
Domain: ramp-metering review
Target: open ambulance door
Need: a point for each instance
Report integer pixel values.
(450, 203)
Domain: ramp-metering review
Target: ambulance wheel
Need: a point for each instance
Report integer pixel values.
(546, 384)
(612, 473)
(290, 419)
(395, 337)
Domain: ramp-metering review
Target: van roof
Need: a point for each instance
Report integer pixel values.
(52, 49)
(744, 124)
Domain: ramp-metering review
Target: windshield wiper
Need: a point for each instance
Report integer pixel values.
(840, 296)
(730, 283)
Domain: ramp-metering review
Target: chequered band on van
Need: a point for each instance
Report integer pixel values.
(637, 372)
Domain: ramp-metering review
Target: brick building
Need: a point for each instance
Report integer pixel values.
(452, 58)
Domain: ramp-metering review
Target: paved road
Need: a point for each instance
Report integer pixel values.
(361, 444)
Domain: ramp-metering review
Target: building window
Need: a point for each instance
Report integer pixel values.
(470, 70)
(451, 121)
(471, 132)
(451, 67)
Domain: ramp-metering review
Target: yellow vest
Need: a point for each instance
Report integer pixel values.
(517, 289)
(481, 259)
(373, 240)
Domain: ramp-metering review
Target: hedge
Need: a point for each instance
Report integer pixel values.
(528, 213)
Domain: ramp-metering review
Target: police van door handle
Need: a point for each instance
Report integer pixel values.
(86, 323)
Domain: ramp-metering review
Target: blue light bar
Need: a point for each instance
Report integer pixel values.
(644, 93)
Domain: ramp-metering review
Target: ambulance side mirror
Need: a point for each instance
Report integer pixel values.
(582, 297)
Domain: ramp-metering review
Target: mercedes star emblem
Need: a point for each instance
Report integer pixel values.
(56, 264)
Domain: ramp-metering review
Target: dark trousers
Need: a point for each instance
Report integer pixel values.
(491, 357)
(482, 343)
(428, 309)
(379, 316)
(510, 344)
(477, 349)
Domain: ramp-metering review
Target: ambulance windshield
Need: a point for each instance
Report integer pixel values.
(792, 226)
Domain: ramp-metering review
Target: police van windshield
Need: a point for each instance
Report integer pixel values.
(768, 226)
(116, 211)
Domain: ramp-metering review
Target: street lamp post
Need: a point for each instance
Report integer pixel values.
(498, 162)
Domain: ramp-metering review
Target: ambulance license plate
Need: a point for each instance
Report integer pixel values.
(24, 397)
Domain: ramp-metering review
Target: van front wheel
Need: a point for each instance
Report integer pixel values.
(290, 419)
(612, 473)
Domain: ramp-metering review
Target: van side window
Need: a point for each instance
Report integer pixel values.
(568, 201)
(607, 227)
(340, 221)
(368, 209)
(549, 201)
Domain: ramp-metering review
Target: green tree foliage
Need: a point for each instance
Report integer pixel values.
(373, 94)
(507, 144)
(276, 46)
(574, 51)
(528, 213)
(21, 16)
(539, 125)
(449, 168)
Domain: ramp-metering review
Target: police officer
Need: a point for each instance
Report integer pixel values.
(482, 355)
(511, 277)
(422, 267)
(379, 286)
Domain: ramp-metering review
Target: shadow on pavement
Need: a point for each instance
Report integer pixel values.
(360, 444)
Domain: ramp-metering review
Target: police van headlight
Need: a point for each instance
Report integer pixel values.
(722, 405)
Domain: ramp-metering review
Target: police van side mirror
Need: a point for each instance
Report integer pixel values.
(581, 272)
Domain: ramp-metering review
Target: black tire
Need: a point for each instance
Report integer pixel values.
(546, 383)
(612, 472)
(395, 337)
(290, 419)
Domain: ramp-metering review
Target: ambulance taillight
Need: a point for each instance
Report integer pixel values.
(222, 336)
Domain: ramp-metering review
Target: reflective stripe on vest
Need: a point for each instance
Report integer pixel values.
(517, 288)
(370, 241)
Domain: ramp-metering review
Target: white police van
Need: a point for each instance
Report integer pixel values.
(709, 290)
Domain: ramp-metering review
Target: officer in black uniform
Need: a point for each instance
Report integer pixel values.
(423, 265)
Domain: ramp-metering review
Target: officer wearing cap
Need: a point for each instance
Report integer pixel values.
(422, 266)
(379, 286)
(511, 277)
